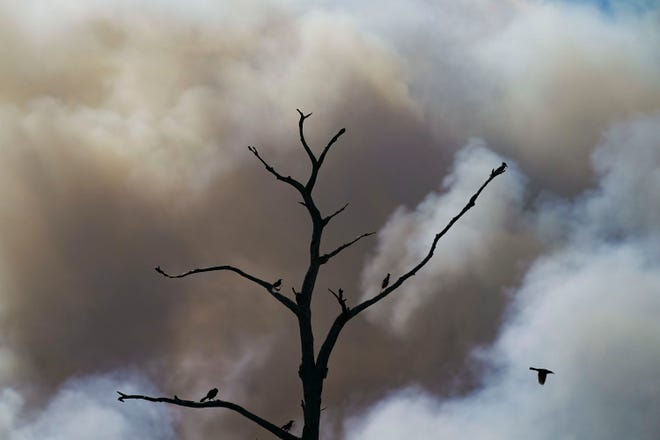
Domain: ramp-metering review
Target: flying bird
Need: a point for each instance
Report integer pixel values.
(288, 426)
(277, 284)
(210, 395)
(385, 282)
(543, 374)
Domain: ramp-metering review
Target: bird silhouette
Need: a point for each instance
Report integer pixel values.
(499, 169)
(385, 282)
(277, 284)
(210, 395)
(288, 426)
(543, 374)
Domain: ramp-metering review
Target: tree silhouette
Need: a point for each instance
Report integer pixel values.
(313, 368)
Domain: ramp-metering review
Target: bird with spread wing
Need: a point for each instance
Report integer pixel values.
(542, 374)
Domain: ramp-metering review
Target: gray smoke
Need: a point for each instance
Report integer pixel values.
(587, 309)
(123, 135)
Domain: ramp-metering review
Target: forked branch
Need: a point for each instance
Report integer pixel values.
(341, 299)
(316, 161)
(303, 141)
(272, 288)
(276, 430)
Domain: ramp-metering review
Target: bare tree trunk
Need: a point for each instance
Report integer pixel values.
(312, 390)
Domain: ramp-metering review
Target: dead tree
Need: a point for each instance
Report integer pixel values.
(313, 368)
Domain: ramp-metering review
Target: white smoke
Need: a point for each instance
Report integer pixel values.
(86, 408)
(586, 309)
(468, 250)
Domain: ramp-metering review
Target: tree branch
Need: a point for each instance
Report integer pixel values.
(324, 258)
(272, 288)
(470, 204)
(301, 124)
(341, 299)
(327, 219)
(331, 338)
(288, 179)
(327, 147)
(276, 430)
(316, 162)
(341, 320)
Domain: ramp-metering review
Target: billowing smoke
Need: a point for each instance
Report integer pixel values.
(79, 410)
(123, 135)
(471, 256)
(586, 309)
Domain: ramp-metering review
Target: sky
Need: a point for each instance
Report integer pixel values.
(123, 145)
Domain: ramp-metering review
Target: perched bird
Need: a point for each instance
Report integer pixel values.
(385, 282)
(277, 284)
(500, 169)
(543, 373)
(288, 426)
(210, 395)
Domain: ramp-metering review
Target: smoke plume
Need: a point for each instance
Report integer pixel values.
(123, 145)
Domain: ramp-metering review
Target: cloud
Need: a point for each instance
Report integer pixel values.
(590, 317)
(628, 163)
(488, 233)
(539, 81)
(123, 135)
(85, 408)
(559, 91)
(123, 146)
(586, 310)
(182, 105)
